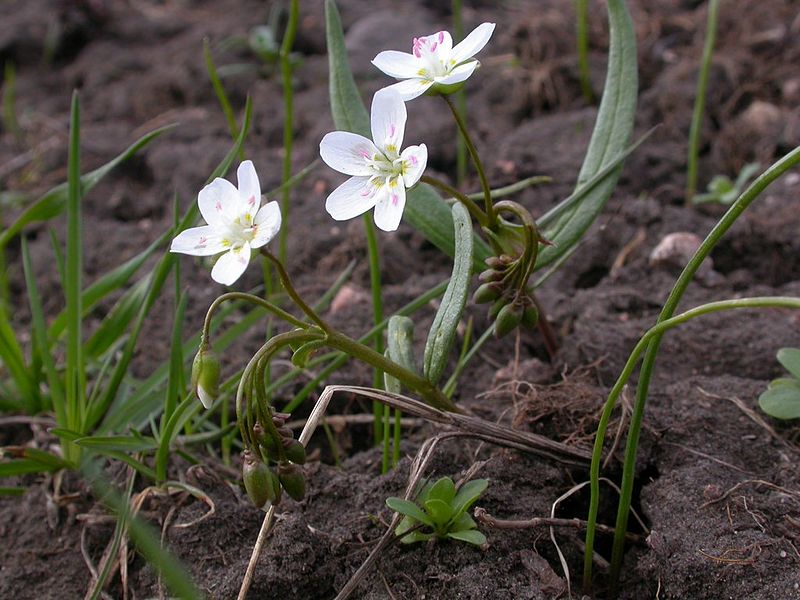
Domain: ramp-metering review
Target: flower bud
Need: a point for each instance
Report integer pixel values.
(530, 316)
(292, 480)
(490, 275)
(286, 432)
(296, 452)
(508, 319)
(486, 292)
(258, 480)
(495, 308)
(205, 375)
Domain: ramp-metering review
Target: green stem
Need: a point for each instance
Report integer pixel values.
(278, 312)
(700, 100)
(373, 255)
(461, 98)
(266, 351)
(736, 209)
(288, 121)
(476, 160)
(653, 334)
(473, 208)
(582, 42)
(287, 285)
(429, 392)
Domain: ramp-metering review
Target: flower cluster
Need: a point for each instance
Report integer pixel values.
(380, 170)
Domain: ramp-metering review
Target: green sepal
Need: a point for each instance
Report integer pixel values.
(303, 353)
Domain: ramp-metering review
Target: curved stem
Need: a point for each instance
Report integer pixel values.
(487, 193)
(654, 333)
(473, 208)
(287, 285)
(738, 207)
(429, 392)
(266, 351)
(278, 312)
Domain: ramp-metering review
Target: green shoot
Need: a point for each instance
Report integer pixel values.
(782, 398)
(439, 512)
(700, 100)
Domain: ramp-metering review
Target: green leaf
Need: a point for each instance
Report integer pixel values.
(108, 283)
(462, 523)
(399, 348)
(612, 130)
(113, 327)
(347, 108)
(468, 494)
(40, 335)
(439, 512)
(33, 461)
(782, 399)
(54, 202)
(430, 215)
(444, 489)
(470, 536)
(12, 491)
(408, 508)
(443, 331)
(119, 443)
(790, 359)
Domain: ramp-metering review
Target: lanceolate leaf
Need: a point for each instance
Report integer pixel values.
(609, 139)
(443, 330)
(349, 112)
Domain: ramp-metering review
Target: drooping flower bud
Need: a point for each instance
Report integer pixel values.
(508, 319)
(292, 480)
(260, 482)
(205, 375)
(296, 452)
(487, 292)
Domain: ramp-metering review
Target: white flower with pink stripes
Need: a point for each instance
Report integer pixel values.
(434, 61)
(237, 224)
(380, 172)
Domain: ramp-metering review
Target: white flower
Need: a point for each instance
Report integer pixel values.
(236, 224)
(434, 61)
(380, 172)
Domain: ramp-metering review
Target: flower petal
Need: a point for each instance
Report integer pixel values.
(459, 73)
(438, 44)
(268, 222)
(198, 241)
(388, 121)
(218, 202)
(414, 158)
(249, 188)
(231, 265)
(347, 152)
(389, 209)
(354, 197)
(410, 88)
(473, 43)
(397, 64)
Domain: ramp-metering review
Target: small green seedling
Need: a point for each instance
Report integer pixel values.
(724, 191)
(782, 398)
(441, 511)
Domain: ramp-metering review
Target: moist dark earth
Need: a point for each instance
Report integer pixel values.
(719, 482)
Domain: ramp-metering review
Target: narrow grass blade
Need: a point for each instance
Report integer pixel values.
(108, 283)
(40, 336)
(54, 202)
(74, 376)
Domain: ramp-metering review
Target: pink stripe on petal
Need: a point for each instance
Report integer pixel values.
(441, 37)
(218, 206)
(414, 160)
(251, 200)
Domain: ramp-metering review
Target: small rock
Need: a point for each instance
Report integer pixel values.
(675, 250)
(347, 296)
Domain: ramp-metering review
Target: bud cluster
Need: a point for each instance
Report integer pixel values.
(511, 306)
(276, 443)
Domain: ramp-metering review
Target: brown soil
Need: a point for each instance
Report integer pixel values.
(718, 488)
